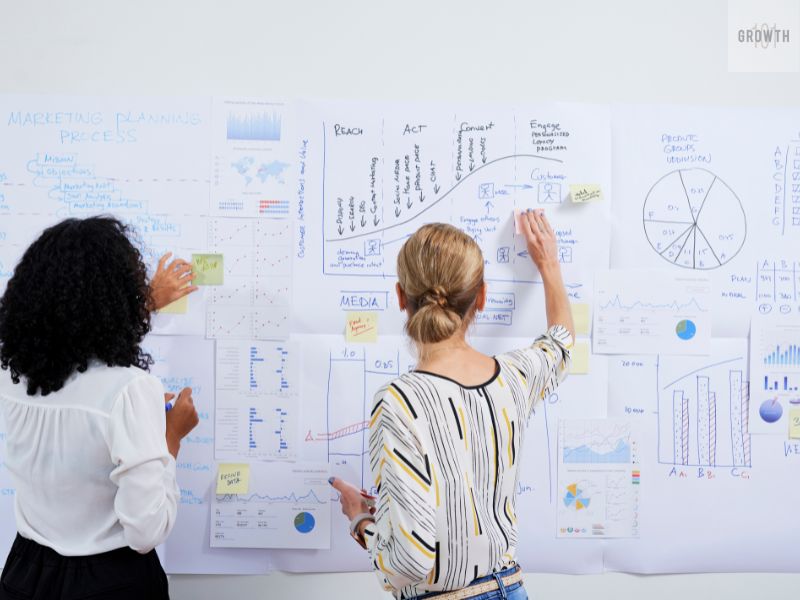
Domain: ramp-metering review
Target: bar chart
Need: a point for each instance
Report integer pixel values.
(704, 412)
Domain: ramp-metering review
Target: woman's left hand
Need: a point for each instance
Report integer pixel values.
(351, 498)
(171, 282)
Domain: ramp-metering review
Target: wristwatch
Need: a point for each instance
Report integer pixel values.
(355, 523)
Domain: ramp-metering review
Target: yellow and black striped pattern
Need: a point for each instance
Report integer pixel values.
(444, 458)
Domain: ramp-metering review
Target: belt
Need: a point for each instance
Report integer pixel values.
(480, 588)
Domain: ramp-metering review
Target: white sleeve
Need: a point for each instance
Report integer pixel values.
(147, 497)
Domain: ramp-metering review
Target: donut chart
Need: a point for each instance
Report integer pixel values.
(686, 329)
(694, 220)
(304, 522)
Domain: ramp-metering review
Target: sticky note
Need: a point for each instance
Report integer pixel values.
(580, 358)
(361, 327)
(582, 317)
(208, 269)
(179, 307)
(794, 423)
(585, 192)
(233, 478)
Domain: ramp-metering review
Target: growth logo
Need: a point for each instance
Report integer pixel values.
(763, 36)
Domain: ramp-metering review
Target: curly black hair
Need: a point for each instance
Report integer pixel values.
(80, 292)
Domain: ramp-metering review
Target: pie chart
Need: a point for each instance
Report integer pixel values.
(575, 498)
(693, 220)
(686, 329)
(304, 522)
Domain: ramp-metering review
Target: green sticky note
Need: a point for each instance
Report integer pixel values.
(208, 269)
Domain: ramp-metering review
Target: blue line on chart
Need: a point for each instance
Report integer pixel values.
(674, 305)
(290, 499)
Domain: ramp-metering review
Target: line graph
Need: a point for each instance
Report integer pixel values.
(596, 445)
(287, 506)
(651, 312)
(674, 305)
(291, 498)
(439, 198)
(694, 220)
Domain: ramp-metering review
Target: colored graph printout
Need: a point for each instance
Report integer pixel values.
(287, 506)
(598, 479)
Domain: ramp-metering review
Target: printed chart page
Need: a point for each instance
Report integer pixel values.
(599, 474)
(286, 506)
(188, 361)
(775, 369)
(652, 312)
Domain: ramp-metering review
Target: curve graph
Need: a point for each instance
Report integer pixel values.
(439, 198)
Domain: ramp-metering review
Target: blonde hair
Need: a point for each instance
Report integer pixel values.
(440, 269)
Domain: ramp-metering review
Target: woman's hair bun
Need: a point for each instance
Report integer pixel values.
(440, 269)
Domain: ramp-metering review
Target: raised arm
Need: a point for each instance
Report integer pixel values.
(543, 249)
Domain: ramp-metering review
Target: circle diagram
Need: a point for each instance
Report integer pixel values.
(686, 329)
(770, 410)
(576, 498)
(694, 220)
(304, 522)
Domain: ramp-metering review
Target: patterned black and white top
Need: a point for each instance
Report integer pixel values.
(444, 457)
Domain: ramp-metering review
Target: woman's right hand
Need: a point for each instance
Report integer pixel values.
(181, 419)
(541, 240)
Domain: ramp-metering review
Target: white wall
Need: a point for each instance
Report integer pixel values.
(495, 50)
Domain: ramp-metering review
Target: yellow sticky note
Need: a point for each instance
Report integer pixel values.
(208, 269)
(580, 358)
(179, 307)
(794, 423)
(233, 478)
(361, 327)
(582, 317)
(585, 192)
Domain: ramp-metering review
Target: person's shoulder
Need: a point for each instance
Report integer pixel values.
(403, 383)
(95, 389)
(100, 386)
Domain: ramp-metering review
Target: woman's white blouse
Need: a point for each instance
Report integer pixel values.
(90, 462)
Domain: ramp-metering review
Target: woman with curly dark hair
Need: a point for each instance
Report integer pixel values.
(89, 448)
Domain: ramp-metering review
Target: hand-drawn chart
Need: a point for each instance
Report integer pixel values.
(703, 409)
(692, 219)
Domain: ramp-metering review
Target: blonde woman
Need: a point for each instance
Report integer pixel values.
(445, 439)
